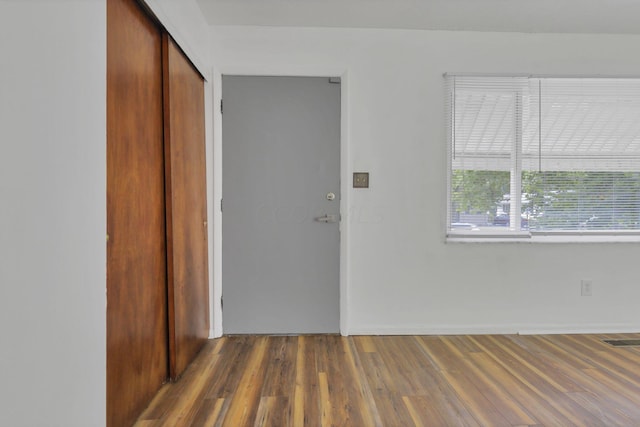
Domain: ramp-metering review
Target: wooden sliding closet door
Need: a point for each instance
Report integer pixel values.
(137, 352)
(186, 208)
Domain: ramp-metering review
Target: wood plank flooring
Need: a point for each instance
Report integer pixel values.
(361, 381)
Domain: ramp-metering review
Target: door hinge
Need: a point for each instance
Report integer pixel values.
(221, 205)
(221, 106)
(222, 302)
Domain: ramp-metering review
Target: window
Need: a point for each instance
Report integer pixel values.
(543, 156)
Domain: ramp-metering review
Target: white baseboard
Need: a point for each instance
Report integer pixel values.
(521, 329)
(432, 330)
(541, 329)
(599, 328)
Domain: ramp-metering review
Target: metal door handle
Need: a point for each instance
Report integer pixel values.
(327, 218)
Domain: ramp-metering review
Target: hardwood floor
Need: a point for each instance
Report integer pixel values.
(492, 380)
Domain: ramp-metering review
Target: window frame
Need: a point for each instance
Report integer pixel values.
(518, 235)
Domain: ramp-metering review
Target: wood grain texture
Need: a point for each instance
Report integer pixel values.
(509, 380)
(187, 272)
(136, 260)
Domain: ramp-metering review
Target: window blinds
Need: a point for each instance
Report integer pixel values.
(584, 124)
(572, 146)
(484, 114)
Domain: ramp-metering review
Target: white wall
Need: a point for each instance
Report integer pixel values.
(52, 213)
(402, 277)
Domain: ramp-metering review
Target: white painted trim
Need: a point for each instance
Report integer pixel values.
(280, 70)
(216, 295)
(434, 330)
(345, 170)
(529, 329)
(345, 203)
(613, 328)
(537, 239)
(210, 168)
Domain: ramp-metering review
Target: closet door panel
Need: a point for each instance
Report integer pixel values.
(186, 208)
(137, 347)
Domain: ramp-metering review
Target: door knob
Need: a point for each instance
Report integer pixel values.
(327, 218)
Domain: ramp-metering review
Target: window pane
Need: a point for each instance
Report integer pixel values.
(484, 130)
(478, 200)
(569, 200)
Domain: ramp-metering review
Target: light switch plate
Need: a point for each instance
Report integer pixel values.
(361, 180)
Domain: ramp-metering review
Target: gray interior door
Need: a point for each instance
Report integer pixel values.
(281, 205)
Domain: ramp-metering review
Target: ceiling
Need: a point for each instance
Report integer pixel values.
(531, 16)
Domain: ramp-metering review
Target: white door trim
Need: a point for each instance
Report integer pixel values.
(260, 70)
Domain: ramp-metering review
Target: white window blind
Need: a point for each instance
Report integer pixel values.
(543, 154)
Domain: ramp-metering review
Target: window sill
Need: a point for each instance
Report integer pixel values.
(546, 238)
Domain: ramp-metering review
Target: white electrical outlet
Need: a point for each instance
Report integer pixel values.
(586, 288)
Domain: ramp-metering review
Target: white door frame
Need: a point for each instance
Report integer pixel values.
(260, 70)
